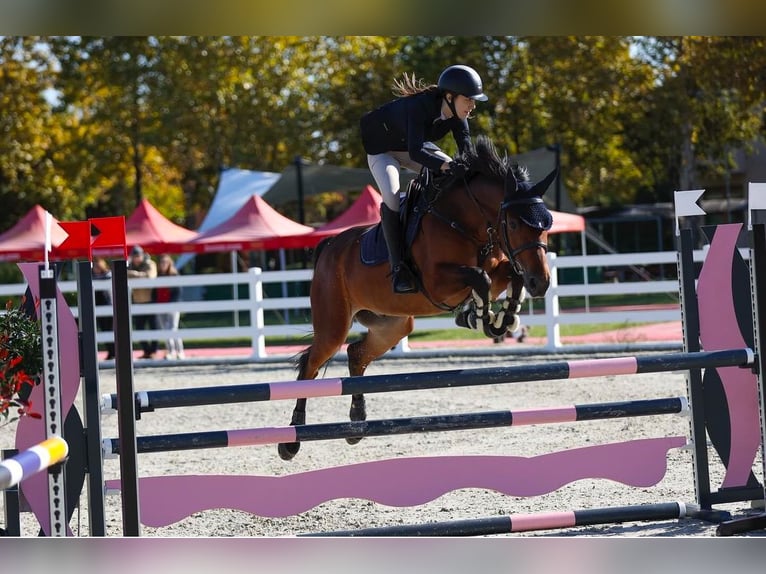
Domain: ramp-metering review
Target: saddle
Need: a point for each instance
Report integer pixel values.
(420, 192)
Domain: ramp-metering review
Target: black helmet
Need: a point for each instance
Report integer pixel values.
(462, 80)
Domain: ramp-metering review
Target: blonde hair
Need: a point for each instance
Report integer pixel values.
(409, 85)
(172, 269)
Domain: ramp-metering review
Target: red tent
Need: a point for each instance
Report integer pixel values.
(25, 241)
(154, 232)
(255, 226)
(364, 211)
(566, 222)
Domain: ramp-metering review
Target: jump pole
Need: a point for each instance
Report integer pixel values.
(36, 458)
(529, 522)
(398, 426)
(20, 466)
(560, 370)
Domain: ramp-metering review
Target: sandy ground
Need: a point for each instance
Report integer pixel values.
(678, 484)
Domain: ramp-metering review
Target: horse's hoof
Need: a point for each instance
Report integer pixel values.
(287, 450)
(467, 320)
(354, 440)
(494, 332)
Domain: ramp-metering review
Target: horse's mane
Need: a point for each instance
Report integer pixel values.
(485, 158)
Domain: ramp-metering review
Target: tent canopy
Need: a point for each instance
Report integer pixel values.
(256, 225)
(566, 222)
(25, 241)
(363, 212)
(151, 230)
(235, 188)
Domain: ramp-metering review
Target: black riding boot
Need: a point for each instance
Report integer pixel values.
(402, 276)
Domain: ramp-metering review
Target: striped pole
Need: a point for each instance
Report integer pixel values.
(149, 401)
(31, 461)
(529, 522)
(397, 426)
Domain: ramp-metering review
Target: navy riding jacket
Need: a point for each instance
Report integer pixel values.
(406, 123)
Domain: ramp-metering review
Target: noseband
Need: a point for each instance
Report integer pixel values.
(511, 253)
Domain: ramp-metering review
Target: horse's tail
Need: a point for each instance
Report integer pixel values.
(299, 360)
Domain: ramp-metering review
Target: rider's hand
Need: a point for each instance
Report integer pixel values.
(457, 169)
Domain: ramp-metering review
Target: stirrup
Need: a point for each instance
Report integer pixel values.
(403, 280)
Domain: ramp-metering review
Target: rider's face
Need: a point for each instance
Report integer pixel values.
(464, 106)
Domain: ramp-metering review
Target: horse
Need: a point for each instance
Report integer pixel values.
(478, 235)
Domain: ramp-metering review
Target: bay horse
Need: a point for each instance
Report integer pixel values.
(479, 235)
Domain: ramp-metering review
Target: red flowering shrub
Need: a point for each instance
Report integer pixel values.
(21, 361)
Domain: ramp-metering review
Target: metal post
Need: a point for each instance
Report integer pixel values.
(91, 398)
(126, 407)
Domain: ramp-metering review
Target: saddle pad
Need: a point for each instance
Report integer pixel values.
(373, 249)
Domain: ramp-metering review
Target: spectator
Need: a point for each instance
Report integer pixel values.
(101, 271)
(142, 265)
(174, 346)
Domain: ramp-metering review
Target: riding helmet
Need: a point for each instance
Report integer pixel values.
(462, 80)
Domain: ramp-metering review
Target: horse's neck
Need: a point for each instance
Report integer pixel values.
(473, 206)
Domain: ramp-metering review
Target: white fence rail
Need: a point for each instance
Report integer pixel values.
(294, 310)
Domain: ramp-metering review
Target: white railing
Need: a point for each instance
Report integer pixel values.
(546, 312)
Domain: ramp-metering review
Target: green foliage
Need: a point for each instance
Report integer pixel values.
(159, 116)
(21, 360)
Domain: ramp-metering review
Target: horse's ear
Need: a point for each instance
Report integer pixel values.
(542, 186)
(511, 184)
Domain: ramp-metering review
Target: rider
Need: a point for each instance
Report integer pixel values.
(401, 132)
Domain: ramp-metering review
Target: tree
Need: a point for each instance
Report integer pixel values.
(105, 86)
(31, 136)
(707, 102)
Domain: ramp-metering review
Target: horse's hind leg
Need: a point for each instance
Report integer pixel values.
(384, 332)
(325, 345)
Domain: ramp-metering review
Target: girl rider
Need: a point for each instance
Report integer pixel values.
(401, 132)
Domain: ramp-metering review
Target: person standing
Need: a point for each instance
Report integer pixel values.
(401, 133)
(101, 271)
(141, 265)
(174, 346)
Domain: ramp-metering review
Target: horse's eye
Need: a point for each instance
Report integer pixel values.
(513, 223)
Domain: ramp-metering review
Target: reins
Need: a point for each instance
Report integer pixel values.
(486, 246)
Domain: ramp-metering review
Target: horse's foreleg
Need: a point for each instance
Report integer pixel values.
(384, 332)
(476, 309)
(507, 317)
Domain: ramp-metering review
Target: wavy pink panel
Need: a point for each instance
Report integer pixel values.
(719, 330)
(32, 431)
(165, 500)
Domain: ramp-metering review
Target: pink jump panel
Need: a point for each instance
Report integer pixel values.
(404, 482)
(542, 521)
(603, 367)
(541, 416)
(306, 389)
(248, 437)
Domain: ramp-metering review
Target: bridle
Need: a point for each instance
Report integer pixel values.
(505, 243)
(502, 216)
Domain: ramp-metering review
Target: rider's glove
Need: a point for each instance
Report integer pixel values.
(457, 169)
